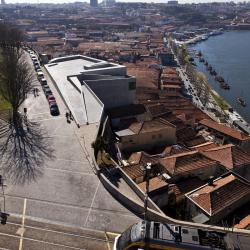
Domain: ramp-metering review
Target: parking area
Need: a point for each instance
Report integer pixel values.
(67, 192)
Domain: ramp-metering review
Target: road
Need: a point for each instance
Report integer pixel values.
(33, 235)
(66, 192)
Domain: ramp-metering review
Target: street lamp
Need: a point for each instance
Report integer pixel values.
(147, 171)
(3, 215)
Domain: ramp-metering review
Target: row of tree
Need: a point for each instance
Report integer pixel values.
(16, 76)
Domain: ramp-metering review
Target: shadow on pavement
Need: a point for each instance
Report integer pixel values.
(24, 149)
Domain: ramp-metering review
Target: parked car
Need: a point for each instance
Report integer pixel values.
(54, 110)
(40, 75)
(45, 86)
(37, 66)
(47, 92)
(43, 82)
(51, 99)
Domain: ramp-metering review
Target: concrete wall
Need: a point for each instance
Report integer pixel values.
(137, 190)
(113, 92)
(148, 140)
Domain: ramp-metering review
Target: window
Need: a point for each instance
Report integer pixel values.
(184, 231)
(160, 136)
(132, 85)
(195, 238)
(153, 137)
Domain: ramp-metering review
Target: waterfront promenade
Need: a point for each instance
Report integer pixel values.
(229, 55)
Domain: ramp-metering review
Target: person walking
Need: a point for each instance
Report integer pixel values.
(70, 116)
(67, 117)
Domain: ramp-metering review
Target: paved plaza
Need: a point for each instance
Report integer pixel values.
(67, 192)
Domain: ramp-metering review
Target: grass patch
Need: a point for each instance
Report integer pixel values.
(220, 101)
(4, 104)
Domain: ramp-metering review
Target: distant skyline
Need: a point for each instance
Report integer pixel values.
(148, 1)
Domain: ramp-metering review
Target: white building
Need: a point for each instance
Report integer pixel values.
(87, 85)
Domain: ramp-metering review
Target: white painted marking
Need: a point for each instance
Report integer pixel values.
(23, 220)
(92, 204)
(69, 171)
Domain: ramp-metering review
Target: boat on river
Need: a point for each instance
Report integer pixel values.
(225, 85)
(213, 72)
(219, 79)
(241, 101)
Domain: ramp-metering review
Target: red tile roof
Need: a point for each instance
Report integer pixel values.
(229, 156)
(224, 192)
(244, 223)
(186, 162)
(204, 146)
(157, 110)
(184, 186)
(224, 129)
(157, 124)
(154, 184)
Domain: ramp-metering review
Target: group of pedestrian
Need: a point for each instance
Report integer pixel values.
(69, 116)
(35, 92)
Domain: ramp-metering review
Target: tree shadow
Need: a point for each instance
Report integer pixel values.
(24, 149)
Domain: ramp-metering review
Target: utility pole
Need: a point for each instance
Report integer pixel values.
(3, 215)
(147, 170)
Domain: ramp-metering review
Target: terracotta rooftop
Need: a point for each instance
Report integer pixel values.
(186, 162)
(224, 129)
(157, 124)
(157, 110)
(154, 184)
(229, 156)
(137, 161)
(184, 186)
(134, 171)
(174, 149)
(204, 146)
(197, 140)
(224, 192)
(145, 77)
(244, 223)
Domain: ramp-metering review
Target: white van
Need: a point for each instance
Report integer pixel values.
(40, 75)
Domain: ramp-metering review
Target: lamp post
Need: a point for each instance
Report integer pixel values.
(3, 215)
(147, 170)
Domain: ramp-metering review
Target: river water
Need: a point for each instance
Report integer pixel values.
(229, 55)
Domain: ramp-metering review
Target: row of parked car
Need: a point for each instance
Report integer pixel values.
(54, 110)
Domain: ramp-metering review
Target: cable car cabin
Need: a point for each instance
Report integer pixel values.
(155, 235)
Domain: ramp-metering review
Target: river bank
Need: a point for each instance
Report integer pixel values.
(229, 55)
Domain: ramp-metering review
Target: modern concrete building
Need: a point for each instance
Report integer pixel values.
(87, 85)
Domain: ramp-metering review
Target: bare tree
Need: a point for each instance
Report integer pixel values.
(10, 37)
(24, 146)
(16, 80)
(15, 73)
